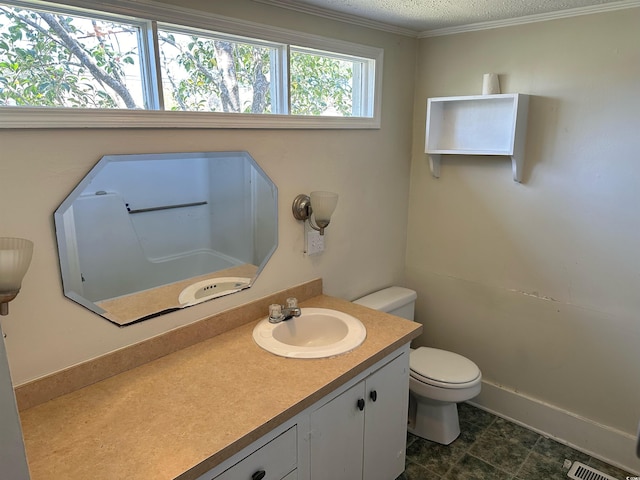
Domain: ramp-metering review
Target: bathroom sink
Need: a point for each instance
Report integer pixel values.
(316, 333)
(212, 288)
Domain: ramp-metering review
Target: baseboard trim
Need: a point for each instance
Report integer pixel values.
(600, 441)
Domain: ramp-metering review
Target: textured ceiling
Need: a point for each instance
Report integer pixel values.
(426, 15)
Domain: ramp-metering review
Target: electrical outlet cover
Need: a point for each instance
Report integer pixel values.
(314, 242)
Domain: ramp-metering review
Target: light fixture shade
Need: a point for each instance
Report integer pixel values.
(15, 257)
(323, 205)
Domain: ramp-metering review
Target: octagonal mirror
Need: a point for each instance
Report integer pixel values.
(143, 235)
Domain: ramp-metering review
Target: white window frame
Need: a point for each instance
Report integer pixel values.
(278, 65)
(153, 12)
(363, 81)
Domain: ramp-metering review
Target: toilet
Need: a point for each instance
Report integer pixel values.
(438, 379)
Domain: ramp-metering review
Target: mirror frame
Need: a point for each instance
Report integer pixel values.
(231, 280)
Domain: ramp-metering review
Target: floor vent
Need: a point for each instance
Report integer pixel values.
(580, 471)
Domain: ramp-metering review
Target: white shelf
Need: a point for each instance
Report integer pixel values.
(477, 125)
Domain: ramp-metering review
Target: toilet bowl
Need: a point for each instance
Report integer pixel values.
(438, 379)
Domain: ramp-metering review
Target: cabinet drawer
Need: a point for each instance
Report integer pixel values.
(292, 476)
(276, 458)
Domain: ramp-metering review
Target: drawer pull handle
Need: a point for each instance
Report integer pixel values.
(259, 475)
(361, 404)
(373, 395)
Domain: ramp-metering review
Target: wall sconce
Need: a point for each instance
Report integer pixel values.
(15, 257)
(324, 203)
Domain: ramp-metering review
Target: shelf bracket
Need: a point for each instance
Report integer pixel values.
(434, 164)
(517, 162)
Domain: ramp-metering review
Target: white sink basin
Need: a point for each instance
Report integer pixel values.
(316, 333)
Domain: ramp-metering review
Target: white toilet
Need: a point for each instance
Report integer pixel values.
(438, 379)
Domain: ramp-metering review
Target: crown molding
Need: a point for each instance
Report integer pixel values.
(364, 22)
(542, 17)
(341, 17)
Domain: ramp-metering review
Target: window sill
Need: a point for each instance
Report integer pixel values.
(23, 117)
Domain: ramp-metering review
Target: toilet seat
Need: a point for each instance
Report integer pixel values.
(442, 368)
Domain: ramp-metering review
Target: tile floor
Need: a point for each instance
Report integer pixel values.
(491, 448)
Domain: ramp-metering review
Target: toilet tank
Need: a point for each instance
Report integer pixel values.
(398, 301)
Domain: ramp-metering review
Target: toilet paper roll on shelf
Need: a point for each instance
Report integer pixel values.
(490, 84)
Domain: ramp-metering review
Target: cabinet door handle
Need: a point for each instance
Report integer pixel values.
(259, 475)
(373, 395)
(361, 404)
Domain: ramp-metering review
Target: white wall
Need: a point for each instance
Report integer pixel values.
(538, 282)
(365, 244)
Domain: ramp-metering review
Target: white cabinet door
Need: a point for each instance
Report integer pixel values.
(336, 437)
(385, 428)
(12, 455)
(361, 434)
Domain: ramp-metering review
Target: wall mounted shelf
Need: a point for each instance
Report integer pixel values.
(477, 125)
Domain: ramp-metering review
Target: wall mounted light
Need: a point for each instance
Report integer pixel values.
(15, 257)
(319, 204)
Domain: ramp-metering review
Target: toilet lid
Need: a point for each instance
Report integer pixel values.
(432, 365)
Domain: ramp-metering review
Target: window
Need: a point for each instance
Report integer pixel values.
(60, 60)
(95, 62)
(202, 72)
(324, 83)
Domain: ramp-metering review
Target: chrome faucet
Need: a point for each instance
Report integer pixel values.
(280, 313)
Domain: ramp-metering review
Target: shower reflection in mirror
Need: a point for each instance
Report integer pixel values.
(140, 229)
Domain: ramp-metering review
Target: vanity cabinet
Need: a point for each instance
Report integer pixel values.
(361, 433)
(276, 460)
(477, 125)
(356, 432)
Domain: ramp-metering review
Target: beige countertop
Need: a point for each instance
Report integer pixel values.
(186, 412)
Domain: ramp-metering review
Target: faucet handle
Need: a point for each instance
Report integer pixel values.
(292, 302)
(275, 311)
